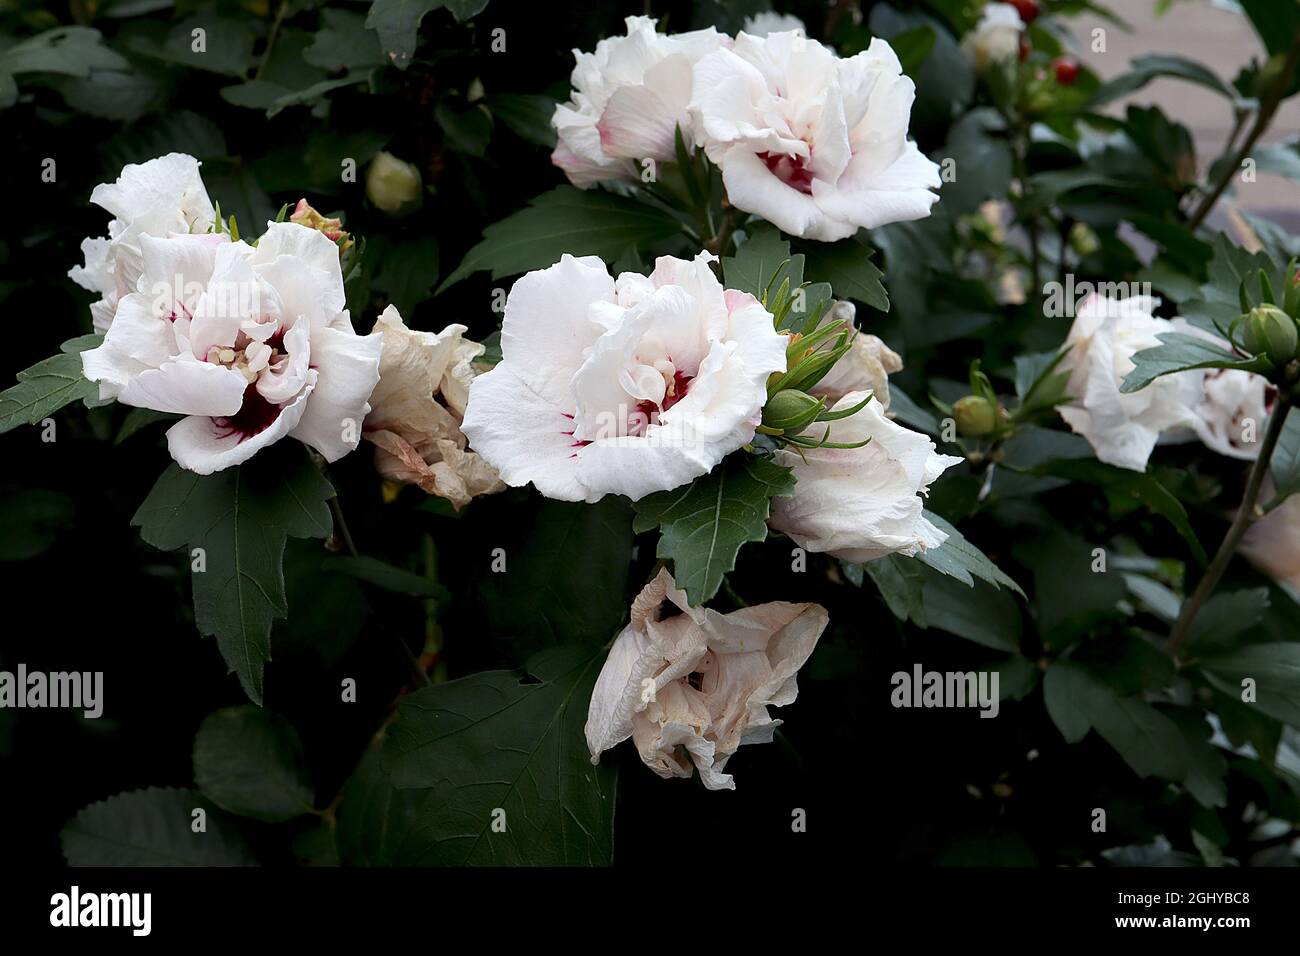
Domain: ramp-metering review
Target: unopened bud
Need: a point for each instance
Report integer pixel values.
(393, 185)
(791, 410)
(975, 416)
(332, 229)
(1271, 332)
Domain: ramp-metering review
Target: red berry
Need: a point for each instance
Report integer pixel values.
(1067, 70)
(1025, 48)
(1028, 10)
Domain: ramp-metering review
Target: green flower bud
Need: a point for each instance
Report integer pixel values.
(1271, 332)
(393, 185)
(975, 416)
(791, 410)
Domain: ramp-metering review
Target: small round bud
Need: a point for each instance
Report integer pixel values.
(975, 416)
(1271, 332)
(791, 410)
(393, 185)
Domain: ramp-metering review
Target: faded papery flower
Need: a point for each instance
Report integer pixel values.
(1272, 543)
(865, 367)
(1123, 428)
(162, 197)
(626, 386)
(863, 503)
(1233, 409)
(249, 343)
(996, 38)
(697, 685)
(416, 409)
(629, 97)
(815, 144)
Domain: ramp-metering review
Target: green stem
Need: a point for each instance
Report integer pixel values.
(1267, 108)
(271, 37)
(1245, 516)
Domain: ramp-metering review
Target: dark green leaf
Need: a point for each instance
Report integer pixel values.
(70, 51)
(528, 116)
(384, 575)
(153, 827)
(902, 584)
(377, 822)
(405, 271)
(1224, 618)
(240, 518)
(1144, 69)
(398, 23)
(494, 747)
(1148, 741)
(565, 582)
(1130, 484)
(982, 613)
(847, 266)
(48, 385)
(342, 43)
(960, 559)
(1275, 670)
(761, 262)
(703, 526)
(579, 222)
(250, 761)
(1178, 352)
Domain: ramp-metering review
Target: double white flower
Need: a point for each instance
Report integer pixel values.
(162, 197)
(626, 386)
(249, 343)
(814, 143)
(863, 503)
(1225, 409)
(629, 98)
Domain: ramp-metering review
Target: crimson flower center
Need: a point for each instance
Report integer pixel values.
(791, 170)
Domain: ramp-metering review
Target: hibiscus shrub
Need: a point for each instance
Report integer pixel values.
(522, 436)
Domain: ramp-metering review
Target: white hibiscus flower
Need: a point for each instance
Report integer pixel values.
(862, 503)
(815, 144)
(629, 97)
(626, 386)
(162, 197)
(1123, 428)
(1234, 406)
(249, 343)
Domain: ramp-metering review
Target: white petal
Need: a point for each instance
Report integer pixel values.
(308, 247)
(186, 387)
(348, 368)
(204, 446)
(523, 435)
